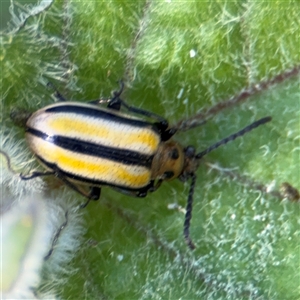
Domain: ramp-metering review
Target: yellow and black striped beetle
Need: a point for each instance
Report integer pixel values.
(84, 144)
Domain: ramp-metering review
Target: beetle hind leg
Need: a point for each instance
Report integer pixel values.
(57, 94)
(35, 174)
(94, 194)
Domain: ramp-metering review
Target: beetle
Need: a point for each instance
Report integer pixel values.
(86, 144)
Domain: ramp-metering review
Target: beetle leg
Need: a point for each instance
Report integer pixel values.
(35, 174)
(24, 177)
(77, 189)
(140, 193)
(57, 94)
(162, 124)
(99, 101)
(116, 101)
(114, 104)
(94, 194)
(167, 134)
(150, 188)
(154, 187)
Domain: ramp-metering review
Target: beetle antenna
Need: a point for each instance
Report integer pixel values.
(188, 214)
(233, 136)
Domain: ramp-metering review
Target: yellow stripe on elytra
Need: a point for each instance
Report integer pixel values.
(105, 132)
(90, 167)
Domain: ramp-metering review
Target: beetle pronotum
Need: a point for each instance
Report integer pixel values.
(85, 144)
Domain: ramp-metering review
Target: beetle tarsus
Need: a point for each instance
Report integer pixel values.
(85, 204)
(118, 93)
(57, 94)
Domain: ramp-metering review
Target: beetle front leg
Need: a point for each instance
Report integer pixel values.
(152, 187)
(162, 124)
(155, 186)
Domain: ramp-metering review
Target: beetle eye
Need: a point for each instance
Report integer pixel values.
(174, 153)
(168, 174)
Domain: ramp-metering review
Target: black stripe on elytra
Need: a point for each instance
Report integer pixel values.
(99, 114)
(88, 181)
(123, 156)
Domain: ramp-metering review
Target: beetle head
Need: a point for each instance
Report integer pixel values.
(169, 161)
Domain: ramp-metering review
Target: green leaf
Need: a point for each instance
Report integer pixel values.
(179, 59)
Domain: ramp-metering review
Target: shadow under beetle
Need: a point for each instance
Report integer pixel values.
(84, 144)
